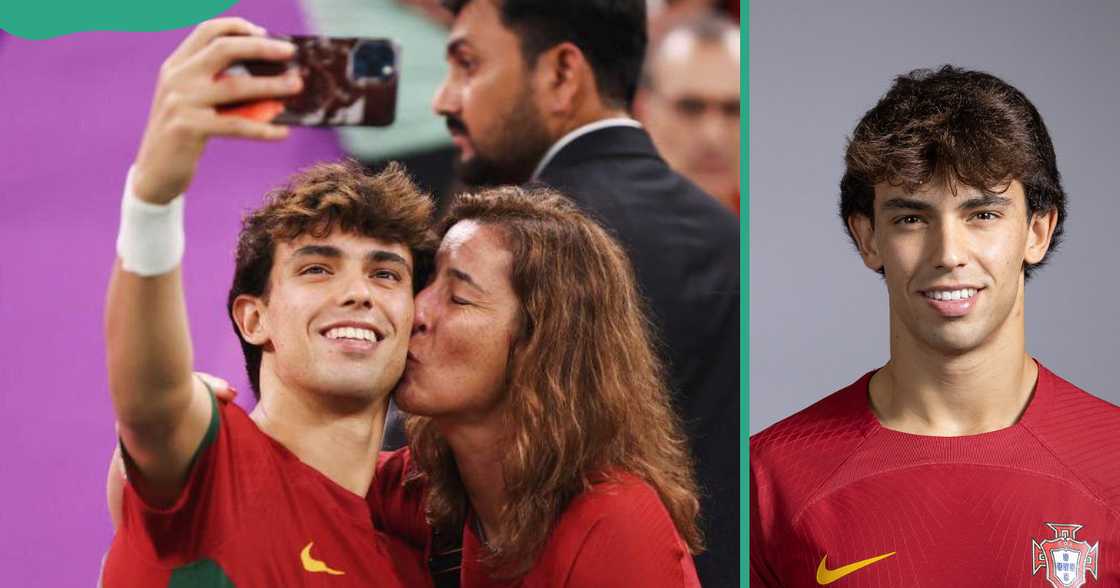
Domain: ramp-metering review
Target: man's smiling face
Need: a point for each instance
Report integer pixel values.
(337, 316)
(953, 259)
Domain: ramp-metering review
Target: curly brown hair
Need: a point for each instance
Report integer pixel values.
(316, 201)
(586, 394)
(952, 126)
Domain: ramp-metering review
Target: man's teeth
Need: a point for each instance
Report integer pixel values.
(352, 333)
(963, 294)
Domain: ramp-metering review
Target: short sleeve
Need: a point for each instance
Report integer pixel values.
(207, 440)
(204, 514)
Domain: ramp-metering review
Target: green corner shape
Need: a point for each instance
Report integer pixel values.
(46, 19)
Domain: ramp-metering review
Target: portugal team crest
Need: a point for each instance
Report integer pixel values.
(1066, 559)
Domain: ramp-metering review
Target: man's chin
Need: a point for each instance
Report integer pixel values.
(954, 342)
(476, 170)
(355, 388)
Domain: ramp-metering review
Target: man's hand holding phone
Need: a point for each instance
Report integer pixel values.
(162, 410)
(191, 87)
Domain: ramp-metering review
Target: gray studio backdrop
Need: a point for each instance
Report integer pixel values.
(818, 318)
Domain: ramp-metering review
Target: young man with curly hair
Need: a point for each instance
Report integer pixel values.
(322, 303)
(963, 461)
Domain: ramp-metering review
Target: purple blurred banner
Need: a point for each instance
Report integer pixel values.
(72, 110)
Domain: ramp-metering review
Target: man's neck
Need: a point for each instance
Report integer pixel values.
(340, 438)
(478, 455)
(586, 117)
(922, 391)
(563, 134)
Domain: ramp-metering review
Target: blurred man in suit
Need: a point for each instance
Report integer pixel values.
(689, 102)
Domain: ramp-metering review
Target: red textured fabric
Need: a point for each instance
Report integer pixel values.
(616, 534)
(252, 507)
(978, 510)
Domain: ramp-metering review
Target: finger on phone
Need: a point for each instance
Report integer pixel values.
(243, 88)
(260, 110)
(236, 126)
(224, 51)
(206, 32)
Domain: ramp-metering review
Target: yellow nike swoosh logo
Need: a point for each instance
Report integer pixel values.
(827, 576)
(314, 565)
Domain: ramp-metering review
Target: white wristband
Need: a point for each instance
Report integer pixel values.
(151, 240)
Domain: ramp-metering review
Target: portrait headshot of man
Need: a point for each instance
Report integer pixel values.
(965, 419)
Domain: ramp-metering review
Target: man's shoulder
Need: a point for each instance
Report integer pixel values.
(243, 446)
(1081, 430)
(1064, 412)
(232, 446)
(235, 419)
(798, 453)
(842, 414)
(617, 171)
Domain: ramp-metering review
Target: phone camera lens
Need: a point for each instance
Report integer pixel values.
(373, 59)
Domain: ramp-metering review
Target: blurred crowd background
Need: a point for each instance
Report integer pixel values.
(688, 101)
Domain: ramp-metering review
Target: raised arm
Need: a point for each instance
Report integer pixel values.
(162, 411)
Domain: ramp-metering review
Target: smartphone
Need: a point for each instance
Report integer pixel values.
(346, 81)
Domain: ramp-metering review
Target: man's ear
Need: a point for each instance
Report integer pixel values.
(563, 77)
(863, 230)
(249, 314)
(1040, 230)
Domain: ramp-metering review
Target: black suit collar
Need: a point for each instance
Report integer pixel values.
(617, 141)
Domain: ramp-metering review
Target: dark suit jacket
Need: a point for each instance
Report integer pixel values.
(685, 250)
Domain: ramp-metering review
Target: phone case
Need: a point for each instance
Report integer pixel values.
(346, 81)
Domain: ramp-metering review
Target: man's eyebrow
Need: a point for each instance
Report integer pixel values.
(985, 201)
(906, 204)
(465, 277)
(382, 256)
(375, 256)
(318, 251)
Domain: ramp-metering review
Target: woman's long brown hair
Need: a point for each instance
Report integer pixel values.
(586, 392)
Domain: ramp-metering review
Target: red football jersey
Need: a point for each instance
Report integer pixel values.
(618, 533)
(252, 514)
(835, 497)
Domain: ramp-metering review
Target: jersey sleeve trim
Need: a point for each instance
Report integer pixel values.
(207, 440)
